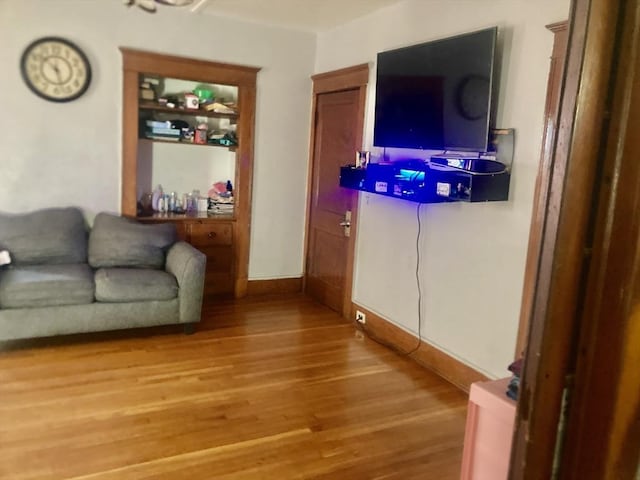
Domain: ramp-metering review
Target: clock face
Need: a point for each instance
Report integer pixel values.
(55, 69)
(472, 94)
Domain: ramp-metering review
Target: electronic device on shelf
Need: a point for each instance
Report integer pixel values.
(472, 165)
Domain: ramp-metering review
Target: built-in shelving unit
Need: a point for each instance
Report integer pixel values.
(223, 237)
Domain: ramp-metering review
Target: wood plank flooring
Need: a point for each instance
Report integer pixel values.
(269, 388)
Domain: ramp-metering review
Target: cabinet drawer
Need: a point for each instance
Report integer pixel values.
(219, 258)
(203, 234)
(181, 230)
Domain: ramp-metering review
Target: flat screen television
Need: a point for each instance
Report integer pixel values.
(437, 95)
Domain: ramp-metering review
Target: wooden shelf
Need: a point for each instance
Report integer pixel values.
(185, 216)
(231, 148)
(154, 107)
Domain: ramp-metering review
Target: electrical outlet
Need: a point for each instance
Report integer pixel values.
(361, 317)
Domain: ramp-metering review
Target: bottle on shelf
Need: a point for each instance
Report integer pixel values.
(155, 199)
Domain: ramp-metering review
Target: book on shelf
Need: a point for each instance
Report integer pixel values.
(221, 208)
(158, 124)
(164, 131)
(169, 138)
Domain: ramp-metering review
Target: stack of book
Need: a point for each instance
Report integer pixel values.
(162, 131)
(221, 208)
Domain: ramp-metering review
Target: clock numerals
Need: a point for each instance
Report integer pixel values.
(63, 90)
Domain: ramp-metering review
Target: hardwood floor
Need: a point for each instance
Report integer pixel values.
(265, 389)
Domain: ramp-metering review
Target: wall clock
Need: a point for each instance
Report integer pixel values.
(55, 69)
(471, 97)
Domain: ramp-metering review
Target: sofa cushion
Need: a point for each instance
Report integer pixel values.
(120, 242)
(46, 285)
(134, 284)
(50, 236)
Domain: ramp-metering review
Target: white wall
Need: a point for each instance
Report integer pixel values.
(471, 255)
(70, 154)
(183, 168)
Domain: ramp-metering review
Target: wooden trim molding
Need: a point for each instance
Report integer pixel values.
(541, 191)
(558, 26)
(274, 286)
(187, 68)
(244, 187)
(603, 424)
(343, 79)
(430, 357)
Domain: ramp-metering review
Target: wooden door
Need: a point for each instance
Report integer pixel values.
(338, 122)
(336, 139)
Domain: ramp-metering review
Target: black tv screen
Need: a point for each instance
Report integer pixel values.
(437, 95)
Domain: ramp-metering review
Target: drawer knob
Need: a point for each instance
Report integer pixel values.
(212, 234)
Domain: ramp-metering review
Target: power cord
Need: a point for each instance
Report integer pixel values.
(384, 343)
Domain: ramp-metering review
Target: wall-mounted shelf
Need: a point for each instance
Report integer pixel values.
(482, 177)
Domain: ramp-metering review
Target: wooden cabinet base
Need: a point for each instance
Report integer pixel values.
(218, 284)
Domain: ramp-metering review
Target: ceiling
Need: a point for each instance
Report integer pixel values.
(308, 15)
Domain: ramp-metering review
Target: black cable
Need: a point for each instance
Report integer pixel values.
(377, 339)
(418, 280)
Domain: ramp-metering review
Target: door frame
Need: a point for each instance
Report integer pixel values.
(541, 196)
(565, 370)
(350, 78)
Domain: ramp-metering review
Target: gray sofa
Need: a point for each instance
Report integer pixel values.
(64, 278)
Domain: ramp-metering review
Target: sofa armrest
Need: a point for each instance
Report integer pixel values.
(188, 266)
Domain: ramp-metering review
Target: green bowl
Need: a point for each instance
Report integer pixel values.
(203, 94)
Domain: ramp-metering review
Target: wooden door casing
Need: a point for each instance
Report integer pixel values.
(582, 330)
(329, 256)
(603, 423)
(541, 192)
(135, 62)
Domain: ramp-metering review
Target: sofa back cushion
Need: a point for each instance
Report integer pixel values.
(49, 236)
(120, 242)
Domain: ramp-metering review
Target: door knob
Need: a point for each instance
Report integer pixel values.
(346, 223)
